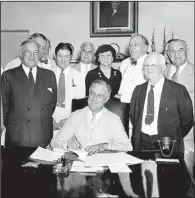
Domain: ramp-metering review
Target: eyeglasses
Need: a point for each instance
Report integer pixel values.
(179, 51)
(151, 66)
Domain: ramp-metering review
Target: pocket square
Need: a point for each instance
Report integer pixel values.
(49, 89)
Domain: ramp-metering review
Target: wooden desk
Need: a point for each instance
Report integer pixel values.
(173, 179)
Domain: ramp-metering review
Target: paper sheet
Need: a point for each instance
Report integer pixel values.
(119, 168)
(79, 166)
(45, 155)
(105, 159)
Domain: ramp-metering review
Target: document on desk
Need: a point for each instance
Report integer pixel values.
(80, 153)
(105, 159)
(119, 168)
(79, 166)
(45, 155)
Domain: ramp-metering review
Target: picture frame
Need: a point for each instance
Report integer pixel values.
(104, 22)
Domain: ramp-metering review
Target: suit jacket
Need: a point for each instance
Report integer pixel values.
(175, 116)
(28, 118)
(186, 78)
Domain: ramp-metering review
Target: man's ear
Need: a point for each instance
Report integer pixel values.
(21, 54)
(107, 98)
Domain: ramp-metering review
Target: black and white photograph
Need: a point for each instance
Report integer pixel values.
(97, 99)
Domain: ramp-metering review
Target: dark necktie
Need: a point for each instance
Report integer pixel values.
(133, 62)
(44, 61)
(175, 75)
(61, 88)
(31, 81)
(150, 106)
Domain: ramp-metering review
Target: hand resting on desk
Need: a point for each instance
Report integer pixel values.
(96, 148)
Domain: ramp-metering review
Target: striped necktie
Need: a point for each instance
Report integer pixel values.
(150, 106)
(61, 88)
(175, 75)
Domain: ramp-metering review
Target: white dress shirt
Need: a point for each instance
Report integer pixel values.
(132, 75)
(152, 128)
(74, 88)
(108, 129)
(85, 68)
(27, 70)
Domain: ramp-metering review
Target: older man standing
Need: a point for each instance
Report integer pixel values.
(29, 95)
(87, 51)
(182, 72)
(132, 67)
(159, 108)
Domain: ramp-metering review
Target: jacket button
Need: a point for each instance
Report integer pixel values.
(28, 121)
(42, 109)
(29, 108)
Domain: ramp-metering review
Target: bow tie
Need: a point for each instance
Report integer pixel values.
(133, 62)
(44, 61)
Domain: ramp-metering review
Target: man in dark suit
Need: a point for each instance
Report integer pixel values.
(159, 108)
(29, 98)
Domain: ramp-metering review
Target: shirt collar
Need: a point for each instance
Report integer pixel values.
(97, 115)
(26, 69)
(66, 71)
(85, 66)
(141, 59)
(158, 84)
(181, 67)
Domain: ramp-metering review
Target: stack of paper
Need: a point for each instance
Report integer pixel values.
(45, 155)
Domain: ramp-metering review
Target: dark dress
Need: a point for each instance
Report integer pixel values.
(96, 74)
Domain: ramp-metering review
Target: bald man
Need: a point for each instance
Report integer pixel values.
(168, 112)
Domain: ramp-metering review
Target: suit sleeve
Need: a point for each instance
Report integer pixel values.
(65, 133)
(5, 91)
(185, 110)
(120, 139)
(54, 88)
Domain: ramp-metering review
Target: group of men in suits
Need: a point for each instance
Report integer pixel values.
(29, 94)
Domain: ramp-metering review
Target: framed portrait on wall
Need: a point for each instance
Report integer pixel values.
(113, 18)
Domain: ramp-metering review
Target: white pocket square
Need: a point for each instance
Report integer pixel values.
(49, 89)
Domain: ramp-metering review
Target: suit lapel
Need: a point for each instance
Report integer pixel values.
(22, 79)
(164, 103)
(39, 82)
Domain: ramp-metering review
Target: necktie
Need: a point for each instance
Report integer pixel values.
(61, 88)
(44, 61)
(150, 106)
(92, 121)
(31, 81)
(133, 62)
(175, 75)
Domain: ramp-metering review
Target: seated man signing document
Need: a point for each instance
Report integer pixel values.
(94, 128)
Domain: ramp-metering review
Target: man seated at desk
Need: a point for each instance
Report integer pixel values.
(94, 128)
